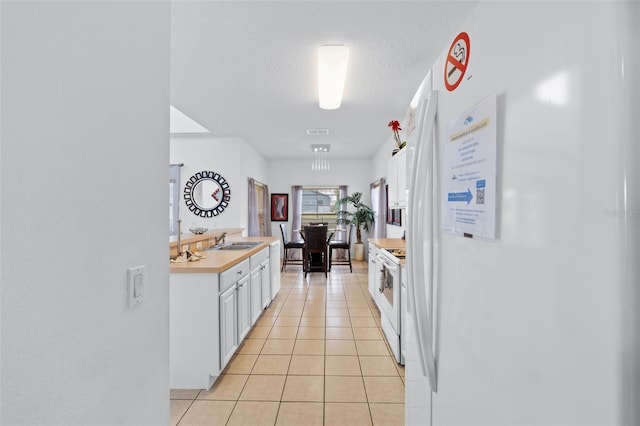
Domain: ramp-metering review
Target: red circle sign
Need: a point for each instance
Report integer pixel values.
(457, 61)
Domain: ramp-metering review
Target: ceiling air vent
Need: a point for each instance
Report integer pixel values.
(317, 132)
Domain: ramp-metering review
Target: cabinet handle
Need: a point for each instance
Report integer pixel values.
(239, 272)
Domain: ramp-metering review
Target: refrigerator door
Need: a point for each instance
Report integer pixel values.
(532, 328)
(420, 238)
(418, 385)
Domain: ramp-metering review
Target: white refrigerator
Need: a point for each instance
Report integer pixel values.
(532, 316)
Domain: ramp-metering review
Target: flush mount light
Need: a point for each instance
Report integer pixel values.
(332, 70)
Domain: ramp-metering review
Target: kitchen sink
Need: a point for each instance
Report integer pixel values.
(240, 245)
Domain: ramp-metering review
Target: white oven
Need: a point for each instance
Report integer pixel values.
(388, 299)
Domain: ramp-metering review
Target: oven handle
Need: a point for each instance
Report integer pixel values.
(388, 264)
(383, 279)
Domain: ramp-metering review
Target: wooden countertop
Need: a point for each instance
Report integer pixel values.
(393, 243)
(216, 261)
(389, 243)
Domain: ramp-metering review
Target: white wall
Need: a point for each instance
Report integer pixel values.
(285, 173)
(85, 118)
(379, 168)
(234, 159)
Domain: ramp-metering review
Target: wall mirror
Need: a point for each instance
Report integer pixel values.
(207, 194)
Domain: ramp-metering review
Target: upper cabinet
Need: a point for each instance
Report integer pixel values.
(397, 180)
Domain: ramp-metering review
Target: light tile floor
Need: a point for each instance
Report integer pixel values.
(316, 356)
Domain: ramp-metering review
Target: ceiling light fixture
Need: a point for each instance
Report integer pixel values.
(320, 162)
(332, 70)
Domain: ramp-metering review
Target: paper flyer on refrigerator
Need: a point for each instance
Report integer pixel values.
(469, 172)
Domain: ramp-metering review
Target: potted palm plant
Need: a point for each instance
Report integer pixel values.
(363, 216)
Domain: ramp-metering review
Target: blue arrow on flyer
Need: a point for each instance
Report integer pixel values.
(460, 196)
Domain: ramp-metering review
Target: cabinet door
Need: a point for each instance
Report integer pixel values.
(397, 180)
(256, 293)
(228, 325)
(244, 308)
(266, 283)
(401, 161)
(392, 181)
(372, 264)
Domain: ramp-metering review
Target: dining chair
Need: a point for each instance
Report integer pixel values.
(341, 244)
(315, 249)
(291, 245)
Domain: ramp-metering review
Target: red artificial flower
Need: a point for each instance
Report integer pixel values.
(395, 125)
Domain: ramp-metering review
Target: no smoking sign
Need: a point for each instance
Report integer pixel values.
(457, 61)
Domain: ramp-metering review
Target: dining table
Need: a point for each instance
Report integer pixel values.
(330, 233)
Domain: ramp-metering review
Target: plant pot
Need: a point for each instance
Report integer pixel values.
(358, 251)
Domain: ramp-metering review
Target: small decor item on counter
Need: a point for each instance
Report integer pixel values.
(395, 126)
(188, 256)
(198, 230)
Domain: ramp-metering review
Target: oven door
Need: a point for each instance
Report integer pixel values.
(389, 297)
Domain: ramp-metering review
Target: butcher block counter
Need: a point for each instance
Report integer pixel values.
(395, 243)
(389, 243)
(220, 260)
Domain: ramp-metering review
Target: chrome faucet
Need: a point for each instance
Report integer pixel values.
(220, 237)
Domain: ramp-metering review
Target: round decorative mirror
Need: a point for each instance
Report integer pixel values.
(207, 194)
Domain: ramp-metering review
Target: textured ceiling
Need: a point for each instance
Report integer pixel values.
(248, 68)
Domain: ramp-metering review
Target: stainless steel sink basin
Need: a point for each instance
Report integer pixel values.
(240, 245)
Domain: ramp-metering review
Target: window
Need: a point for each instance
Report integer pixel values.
(318, 204)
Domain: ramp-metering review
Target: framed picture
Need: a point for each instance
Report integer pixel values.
(279, 207)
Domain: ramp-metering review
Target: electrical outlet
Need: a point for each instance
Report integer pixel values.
(199, 245)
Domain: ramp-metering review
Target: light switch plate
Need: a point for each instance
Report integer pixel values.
(136, 278)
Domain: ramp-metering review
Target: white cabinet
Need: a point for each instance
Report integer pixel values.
(256, 293)
(397, 180)
(274, 265)
(265, 270)
(235, 318)
(260, 283)
(211, 313)
(374, 271)
(228, 324)
(194, 339)
(235, 309)
(244, 308)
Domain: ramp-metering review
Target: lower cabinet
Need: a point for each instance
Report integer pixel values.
(265, 272)
(235, 309)
(374, 271)
(228, 324)
(260, 283)
(210, 315)
(256, 294)
(244, 309)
